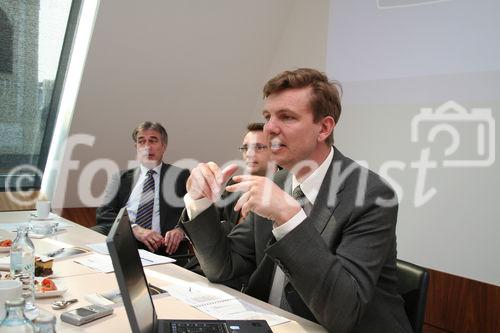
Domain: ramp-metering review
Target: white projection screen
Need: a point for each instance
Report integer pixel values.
(421, 83)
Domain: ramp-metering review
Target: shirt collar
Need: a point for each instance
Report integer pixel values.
(311, 185)
(145, 170)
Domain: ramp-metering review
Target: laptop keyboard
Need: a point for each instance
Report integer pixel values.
(198, 328)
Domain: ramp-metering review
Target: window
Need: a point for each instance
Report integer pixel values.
(35, 37)
(6, 37)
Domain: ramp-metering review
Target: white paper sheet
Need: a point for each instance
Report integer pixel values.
(221, 305)
(102, 263)
(101, 248)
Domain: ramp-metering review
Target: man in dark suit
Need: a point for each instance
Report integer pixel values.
(320, 240)
(151, 192)
(256, 155)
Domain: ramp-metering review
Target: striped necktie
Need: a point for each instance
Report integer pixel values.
(144, 216)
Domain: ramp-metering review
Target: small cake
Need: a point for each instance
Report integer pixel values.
(43, 266)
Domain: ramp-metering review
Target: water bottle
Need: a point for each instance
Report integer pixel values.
(22, 264)
(45, 323)
(31, 312)
(15, 321)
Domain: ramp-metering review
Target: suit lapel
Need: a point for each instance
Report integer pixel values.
(330, 192)
(322, 211)
(162, 203)
(261, 280)
(129, 182)
(329, 195)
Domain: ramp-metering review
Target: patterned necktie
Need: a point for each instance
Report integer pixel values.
(306, 205)
(144, 216)
(298, 195)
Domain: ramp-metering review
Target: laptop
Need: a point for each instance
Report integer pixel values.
(137, 298)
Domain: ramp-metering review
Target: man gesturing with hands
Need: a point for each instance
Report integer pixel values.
(207, 180)
(318, 239)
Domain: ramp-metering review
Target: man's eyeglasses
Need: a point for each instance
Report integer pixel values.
(256, 147)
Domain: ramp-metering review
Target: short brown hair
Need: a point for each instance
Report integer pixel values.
(325, 96)
(255, 127)
(149, 125)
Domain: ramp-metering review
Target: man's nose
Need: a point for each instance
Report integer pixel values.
(270, 127)
(250, 151)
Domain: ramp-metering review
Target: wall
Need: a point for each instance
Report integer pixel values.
(397, 61)
(198, 68)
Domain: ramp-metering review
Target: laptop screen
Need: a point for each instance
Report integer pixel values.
(122, 247)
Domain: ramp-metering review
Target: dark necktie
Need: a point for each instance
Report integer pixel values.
(144, 216)
(306, 205)
(298, 195)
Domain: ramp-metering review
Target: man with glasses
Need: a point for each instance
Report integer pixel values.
(150, 193)
(255, 150)
(319, 239)
(257, 157)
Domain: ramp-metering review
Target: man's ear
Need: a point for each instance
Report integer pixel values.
(327, 126)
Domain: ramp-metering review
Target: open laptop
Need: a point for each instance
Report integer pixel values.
(137, 299)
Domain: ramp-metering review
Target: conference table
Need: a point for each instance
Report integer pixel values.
(80, 280)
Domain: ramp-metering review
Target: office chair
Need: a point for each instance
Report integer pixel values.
(413, 281)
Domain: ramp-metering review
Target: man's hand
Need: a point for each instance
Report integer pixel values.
(263, 197)
(150, 238)
(172, 240)
(207, 179)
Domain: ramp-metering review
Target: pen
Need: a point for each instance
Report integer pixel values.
(55, 253)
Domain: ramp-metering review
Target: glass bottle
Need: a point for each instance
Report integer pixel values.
(31, 312)
(15, 321)
(22, 264)
(45, 323)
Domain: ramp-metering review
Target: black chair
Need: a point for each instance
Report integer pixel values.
(413, 281)
(183, 254)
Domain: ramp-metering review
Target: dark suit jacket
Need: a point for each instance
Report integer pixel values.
(228, 217)
(172, 190)
(340, 262)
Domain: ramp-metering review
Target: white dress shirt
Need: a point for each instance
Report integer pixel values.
(135, 197)
(310, 187)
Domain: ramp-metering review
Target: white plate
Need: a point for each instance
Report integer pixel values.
(5, 263)
(38, 236)
(46, 294)
(4, 249)
(54, 293)
(48, 218)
